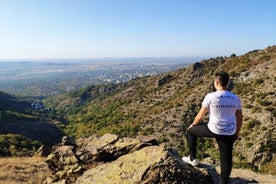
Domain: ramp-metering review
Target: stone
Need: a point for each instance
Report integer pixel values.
(151, 164)
(110, 159)
(43, 151)
(66, 140)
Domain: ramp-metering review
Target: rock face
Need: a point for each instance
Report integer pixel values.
(64, 164)
(110, 159)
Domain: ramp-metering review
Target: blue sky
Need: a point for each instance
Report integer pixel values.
(31, 29)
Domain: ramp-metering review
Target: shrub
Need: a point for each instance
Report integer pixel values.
(163, 139)
(264, 102)
(265, 58)
(248, 106)
(233, 55)
(172, 135)
(148, 131)
(256, 109)
(245, 133)
(242, 88)
(17, 145)
(269, 109)
(248, 144)
(259, 81)
(251, 124)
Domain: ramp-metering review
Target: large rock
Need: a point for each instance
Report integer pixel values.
(63, 162)
(110, 159)
(151, 164)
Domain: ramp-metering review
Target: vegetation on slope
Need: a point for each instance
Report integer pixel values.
(22, 129)
(17, 145)
(164, 105)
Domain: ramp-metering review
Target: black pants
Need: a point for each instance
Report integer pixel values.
(225, 144)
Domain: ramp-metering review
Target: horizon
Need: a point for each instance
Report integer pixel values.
(67, 29)
(100, 59)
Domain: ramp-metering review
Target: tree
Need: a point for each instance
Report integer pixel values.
(233, 55)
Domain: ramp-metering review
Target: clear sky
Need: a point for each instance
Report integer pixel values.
(134, 28)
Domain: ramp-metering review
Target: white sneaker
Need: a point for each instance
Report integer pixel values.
(189, 161)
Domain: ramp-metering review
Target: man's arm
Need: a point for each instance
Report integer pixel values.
(239, 121)
(199, 116)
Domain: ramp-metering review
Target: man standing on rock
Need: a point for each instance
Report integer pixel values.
(225, 121)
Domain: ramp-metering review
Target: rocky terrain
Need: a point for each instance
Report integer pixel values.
(110, 159)
(114, 159)
(164, 105)
(134, 132)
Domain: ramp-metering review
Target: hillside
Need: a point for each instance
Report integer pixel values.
(23, 129)
(164, 105)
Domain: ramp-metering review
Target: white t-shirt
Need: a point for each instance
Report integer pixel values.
(222, 106)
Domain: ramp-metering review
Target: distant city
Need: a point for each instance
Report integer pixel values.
(52, 77)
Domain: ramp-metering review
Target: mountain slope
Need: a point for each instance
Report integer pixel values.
(164, 105)
(22, 129)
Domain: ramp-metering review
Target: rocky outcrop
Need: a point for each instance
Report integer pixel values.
(111, 159)
(64, 164)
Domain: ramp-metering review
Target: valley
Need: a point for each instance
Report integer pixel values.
(53, 77)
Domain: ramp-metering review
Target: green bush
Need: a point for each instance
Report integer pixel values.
(148, 131)
(256, 109)
(264, 102)
(242, 88)
(248, 106)
(270, 109)
(259, 81)
(172, 135)
(163, 139)
(17, 145)
(251, 124)
(248, 144)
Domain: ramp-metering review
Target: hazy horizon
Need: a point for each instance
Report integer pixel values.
(106, 59)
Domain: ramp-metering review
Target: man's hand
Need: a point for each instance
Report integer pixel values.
(191, 126)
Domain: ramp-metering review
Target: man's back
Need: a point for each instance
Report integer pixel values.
(222, 107)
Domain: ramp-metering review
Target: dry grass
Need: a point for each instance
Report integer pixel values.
(27, 170)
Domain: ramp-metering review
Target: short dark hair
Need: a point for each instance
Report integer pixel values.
(223, 78)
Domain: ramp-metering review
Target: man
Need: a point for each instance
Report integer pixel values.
(225, 121)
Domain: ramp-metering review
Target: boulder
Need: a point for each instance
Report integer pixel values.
(110, 159)
(152, 164)
(66, 140)
(63, 163)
